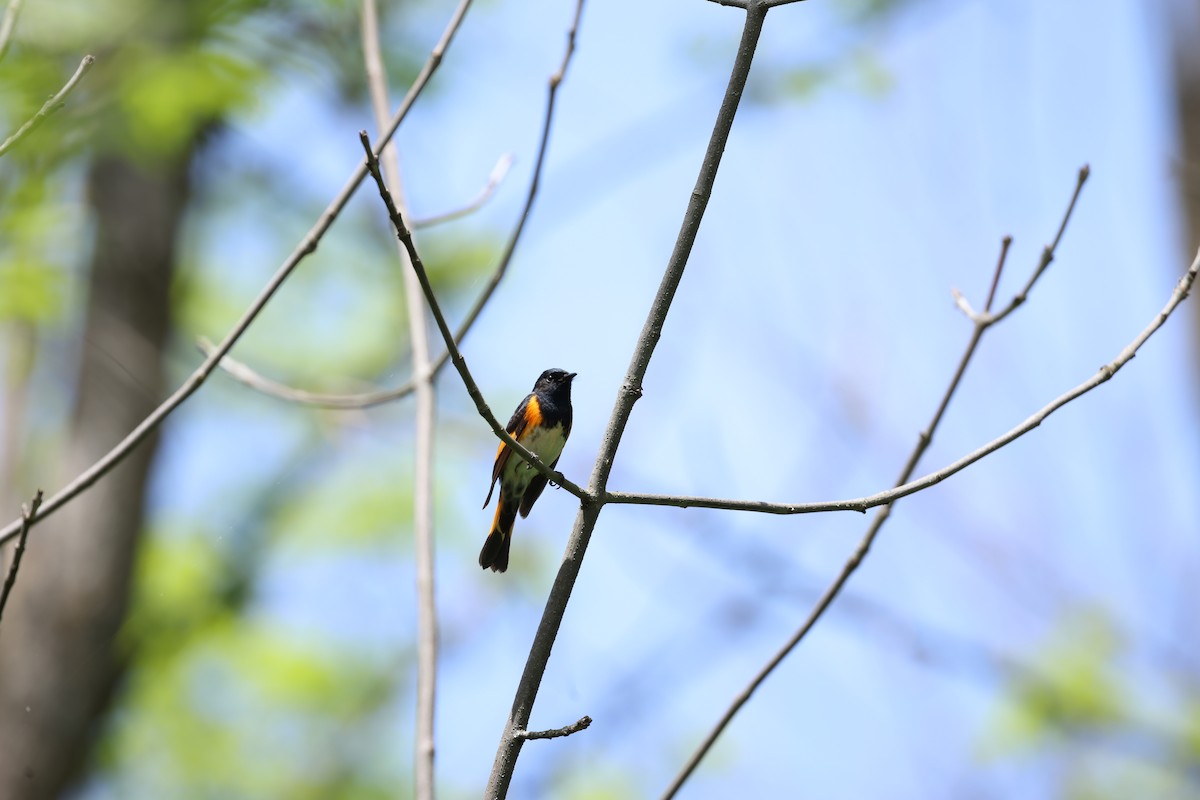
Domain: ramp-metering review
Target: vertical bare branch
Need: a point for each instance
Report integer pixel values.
(306, 246)
(427, 634)
(27, 515)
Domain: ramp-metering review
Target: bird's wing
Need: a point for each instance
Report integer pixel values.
(528, 413)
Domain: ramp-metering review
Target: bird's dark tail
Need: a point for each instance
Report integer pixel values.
(494, 555)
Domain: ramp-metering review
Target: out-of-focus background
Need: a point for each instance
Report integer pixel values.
(231, 613)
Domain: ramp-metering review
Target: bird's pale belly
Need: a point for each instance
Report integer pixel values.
(546, 444)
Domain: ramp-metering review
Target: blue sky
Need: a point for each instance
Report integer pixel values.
(810, 341)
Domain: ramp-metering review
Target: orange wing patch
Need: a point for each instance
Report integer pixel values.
(529, 420)
(533, 415)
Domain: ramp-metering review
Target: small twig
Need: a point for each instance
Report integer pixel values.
(456, 357)
(7, 24)
(1006, 243)
(498, 173)
(50, 106)
(575, 727)
(306, 246)
(28, 514)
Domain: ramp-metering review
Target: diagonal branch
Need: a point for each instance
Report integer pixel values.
(28, 514)
(510, 745)
(49, 107)
(460, 363)
(306, 246)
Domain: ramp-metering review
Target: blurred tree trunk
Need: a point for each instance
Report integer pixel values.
(58, 662)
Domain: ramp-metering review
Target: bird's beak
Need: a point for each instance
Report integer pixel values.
(571, 375)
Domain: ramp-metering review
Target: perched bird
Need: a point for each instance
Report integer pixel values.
(542, 423)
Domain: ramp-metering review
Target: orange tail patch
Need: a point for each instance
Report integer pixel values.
(494, 555)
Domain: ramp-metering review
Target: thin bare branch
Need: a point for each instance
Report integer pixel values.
(1105, 373)
(50, 106)
(306, 246)
(456, 357)
(560, 593)
(495, 178)
(28, 514)
(1047, 252)
(1006, 243)
(582, 724)
(260, 383)
(7, 24)
(427, 622)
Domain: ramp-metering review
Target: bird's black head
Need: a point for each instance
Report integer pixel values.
(554, 381)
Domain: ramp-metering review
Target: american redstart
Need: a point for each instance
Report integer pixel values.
(542, 423)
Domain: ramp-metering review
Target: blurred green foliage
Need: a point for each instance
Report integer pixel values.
(219, 698)
(1079, 701)
(1073, 687)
